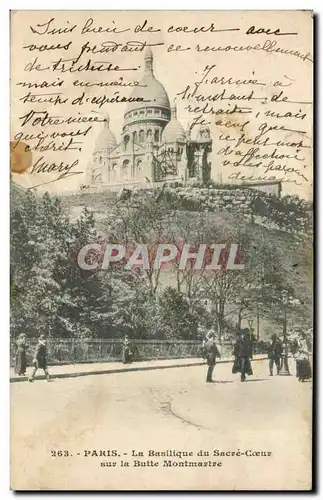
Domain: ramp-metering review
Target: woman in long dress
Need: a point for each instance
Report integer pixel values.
(302, 355)
(242, 354)
(21, 358)
(127, 353)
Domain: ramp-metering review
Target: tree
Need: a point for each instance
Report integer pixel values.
(175, 320)
(50, 293)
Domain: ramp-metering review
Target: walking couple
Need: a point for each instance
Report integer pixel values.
(39, 358)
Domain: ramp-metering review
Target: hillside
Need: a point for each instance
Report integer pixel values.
(274, 235)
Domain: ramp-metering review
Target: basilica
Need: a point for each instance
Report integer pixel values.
(154, 147)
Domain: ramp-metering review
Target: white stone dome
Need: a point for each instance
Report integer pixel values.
(106, 138)
(174, 131)
(149, 88)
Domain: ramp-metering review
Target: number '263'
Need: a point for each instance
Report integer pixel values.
(59, 453)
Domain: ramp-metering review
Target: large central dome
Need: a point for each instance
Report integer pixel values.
(149, 88)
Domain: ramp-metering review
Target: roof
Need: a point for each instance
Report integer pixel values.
(106, 138)
(149, 88)
(174, 130)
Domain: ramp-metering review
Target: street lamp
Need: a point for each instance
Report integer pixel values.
(250, 324)
(288, 301)
(285, 305)
(256, 289)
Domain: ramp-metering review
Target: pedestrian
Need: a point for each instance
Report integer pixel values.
(127, 352)
(284, 366)
(242, 355)
(275, 351)
(303, 367)
(21, 358)
(211, 352)
(202, 349)
(40, 358)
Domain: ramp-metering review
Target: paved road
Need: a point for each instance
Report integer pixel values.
(162, 410)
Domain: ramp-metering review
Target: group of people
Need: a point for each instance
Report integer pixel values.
(39, 357)
(278, 352)
(129, 350)
(242, 355)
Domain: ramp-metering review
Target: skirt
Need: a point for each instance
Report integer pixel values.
(20, 362)
(303, 369)
(127, 356)
(41, 363)
(242, 365)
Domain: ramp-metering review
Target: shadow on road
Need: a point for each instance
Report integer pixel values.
(257, 380)
(223, 381)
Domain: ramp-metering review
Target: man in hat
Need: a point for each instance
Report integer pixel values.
(211, 352)
(40, 358)
(275, 351)
(242, 355)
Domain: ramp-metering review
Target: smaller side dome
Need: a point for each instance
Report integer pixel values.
(174, 131)
(204, 133)
(106, 139)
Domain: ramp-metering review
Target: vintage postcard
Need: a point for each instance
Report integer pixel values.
(161, 250)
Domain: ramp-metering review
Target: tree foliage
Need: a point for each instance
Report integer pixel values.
(50, 294)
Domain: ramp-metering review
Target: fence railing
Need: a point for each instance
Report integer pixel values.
(108, 350)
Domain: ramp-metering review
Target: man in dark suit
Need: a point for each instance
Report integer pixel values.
(275, 351)
(211, 352)
(243, 353)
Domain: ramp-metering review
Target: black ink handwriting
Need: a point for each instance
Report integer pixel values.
(266, 31)
(47, 29)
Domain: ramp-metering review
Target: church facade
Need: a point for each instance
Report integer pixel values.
(154, 146)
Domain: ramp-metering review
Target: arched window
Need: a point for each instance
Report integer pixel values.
(96, 176)
(126, 141)
(135, 137)
(139, 165)
(149, 134)
(113, 171)
(141, 136)
(156, 136)
(125, 165)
